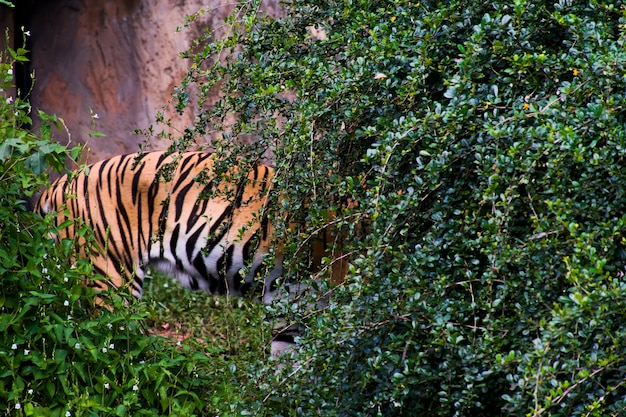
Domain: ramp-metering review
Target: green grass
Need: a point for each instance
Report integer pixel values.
(230, 334)
(222, 325)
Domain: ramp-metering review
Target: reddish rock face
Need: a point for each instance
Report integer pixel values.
(116, 59)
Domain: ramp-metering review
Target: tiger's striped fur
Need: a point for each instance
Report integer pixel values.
(140, 220)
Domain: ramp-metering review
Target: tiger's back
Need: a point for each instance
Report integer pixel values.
(140, 220)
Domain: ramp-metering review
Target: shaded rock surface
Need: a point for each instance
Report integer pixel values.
(118, 60)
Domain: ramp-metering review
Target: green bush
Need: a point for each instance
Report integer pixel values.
(484, 144)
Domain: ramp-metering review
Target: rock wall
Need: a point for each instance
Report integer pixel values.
(117, 59)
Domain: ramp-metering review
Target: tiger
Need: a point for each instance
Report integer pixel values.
(210, 231)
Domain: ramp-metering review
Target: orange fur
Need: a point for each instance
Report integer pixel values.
(140, 220)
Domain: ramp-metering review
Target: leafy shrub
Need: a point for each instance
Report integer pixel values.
(484, 144)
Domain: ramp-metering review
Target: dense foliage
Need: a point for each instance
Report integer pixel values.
(473, 155)
(469, 156)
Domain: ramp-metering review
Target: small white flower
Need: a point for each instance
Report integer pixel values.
(135, 387)
(68, 414)
(14, 346)
(66, 279)
(111, 346)
(107, 385)
(44, 271)
(166, 285)
(95, 116)
(142, 362)
(18, 406)
(77, 346)
(104, 350)
(26, 352)
(58, 266)
(69, 317)
(110, 326)
(66, 303)
(10, 72)
(30, 391)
